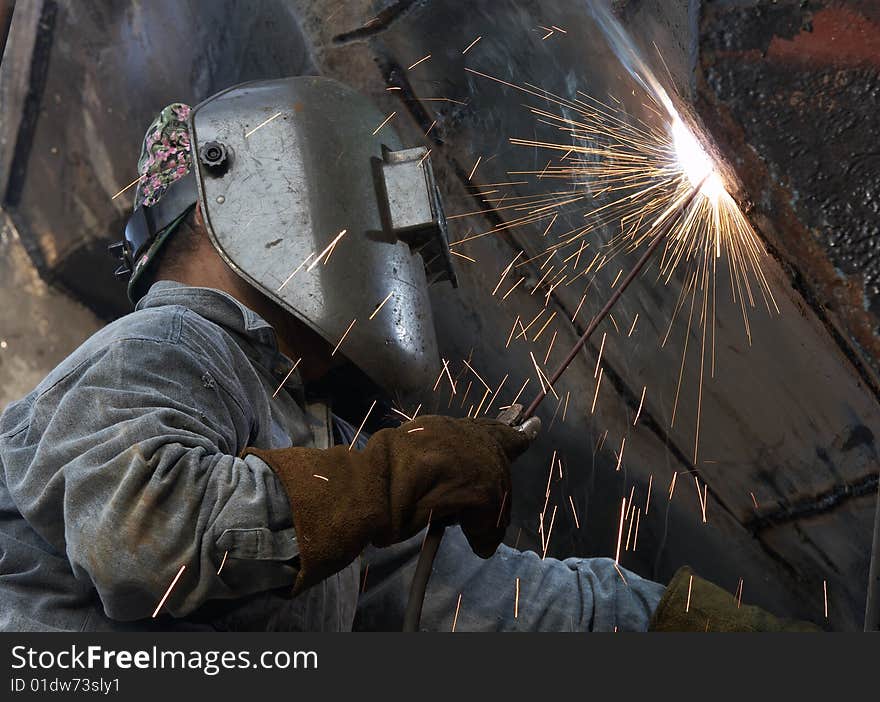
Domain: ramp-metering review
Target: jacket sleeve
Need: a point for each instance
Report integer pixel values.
(577, 594)
(135, 476)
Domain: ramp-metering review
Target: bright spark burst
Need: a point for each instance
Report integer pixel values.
(627, 177)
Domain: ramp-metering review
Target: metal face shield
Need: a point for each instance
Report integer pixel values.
(324, 213)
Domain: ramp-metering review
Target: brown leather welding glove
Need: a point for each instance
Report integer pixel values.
(713, 607)
(437, 468)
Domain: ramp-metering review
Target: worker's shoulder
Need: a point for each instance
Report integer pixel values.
(166, 334)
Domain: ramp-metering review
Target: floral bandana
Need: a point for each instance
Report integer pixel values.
(165, 155)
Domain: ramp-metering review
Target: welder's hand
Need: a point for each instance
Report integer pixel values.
(436, 468)
(693, 604)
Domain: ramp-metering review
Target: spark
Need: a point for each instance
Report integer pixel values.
(336, 348)
(620, 530)
(516, 602)
(754, 500)
(620, 573)
(466, 258)
(515, 285)
(595, 397)
(222, 563)
(298, 269)
(648, 499)
(360, 428)
(565, 409)
(410, 431)
(433, 124)
(636, 537)
(457, 607)
(479, 377)
(134, 182)
(633, 327)
(495, 394)
(387, 120)
(512, 329)
(578, 308)
(546, 324)
(577, 523)
(599, 359)
(687, 606)
(825, 593)
(289, 373)
(364, 584)
(641, 402)
(739, 594)
(474, 169)
(381, 305)
(168, 591)
(427, 153)
(402, 414)
(471, 45)
(620, 457)
(322, 477)
(501, 511)
(672, 484)
(263, 124)
(629, 531)
(421, 60)
(448, 375)
(550, 347)
(520, 391)
(327, 251)
(482, 400)
(549, 532)
(505, 272)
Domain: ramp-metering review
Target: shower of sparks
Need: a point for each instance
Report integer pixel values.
(286, 377)
(421, 60)
(387, 120)
(168, 591)
(381, 305)
(263, 124)
(336, 348)
(361, 427)
(628, 177)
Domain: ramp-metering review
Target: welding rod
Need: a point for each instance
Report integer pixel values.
(435, 530)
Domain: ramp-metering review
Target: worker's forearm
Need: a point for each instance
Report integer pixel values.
(578, 594)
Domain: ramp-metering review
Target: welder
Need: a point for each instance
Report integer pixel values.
(197, 464)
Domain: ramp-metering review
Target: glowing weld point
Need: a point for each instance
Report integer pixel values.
(695, 162)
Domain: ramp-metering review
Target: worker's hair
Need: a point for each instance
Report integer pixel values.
(183, 243)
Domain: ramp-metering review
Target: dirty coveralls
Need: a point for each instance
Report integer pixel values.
(122, 466)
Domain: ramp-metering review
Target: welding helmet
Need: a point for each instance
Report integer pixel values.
(311, 199)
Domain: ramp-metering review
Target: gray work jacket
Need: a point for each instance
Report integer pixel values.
(119, 473)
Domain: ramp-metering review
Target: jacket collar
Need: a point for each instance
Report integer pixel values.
(216, 306)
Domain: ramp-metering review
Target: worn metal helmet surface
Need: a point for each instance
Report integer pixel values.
(315, 205)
